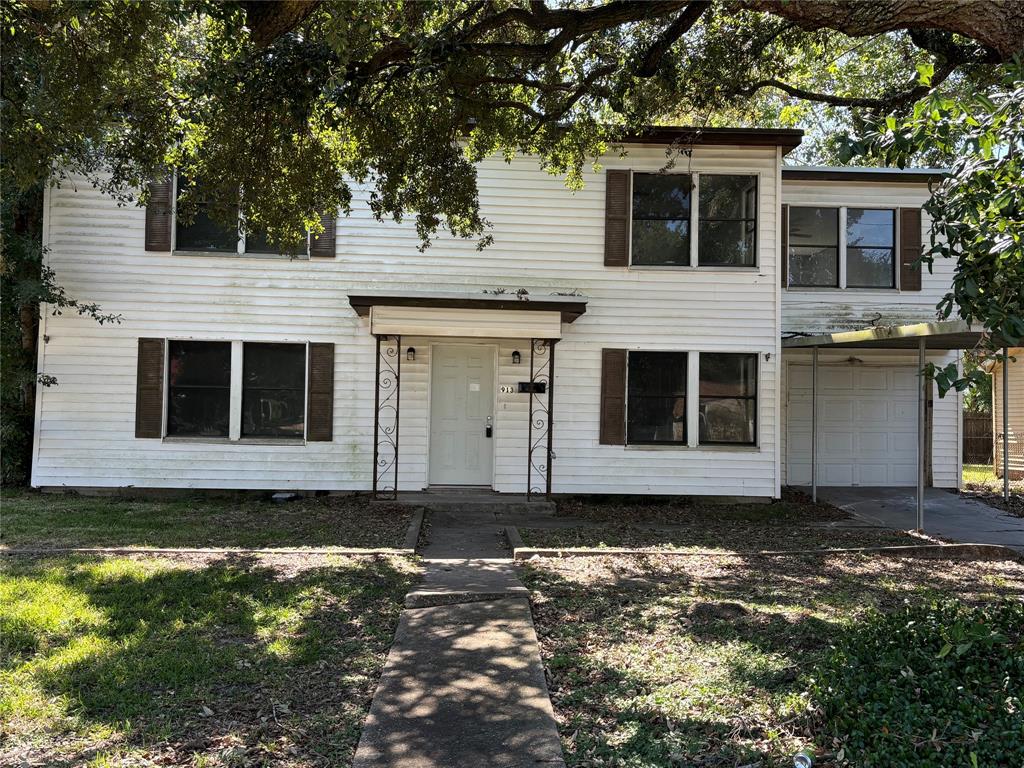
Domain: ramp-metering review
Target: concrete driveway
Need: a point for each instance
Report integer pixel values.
(946, 514)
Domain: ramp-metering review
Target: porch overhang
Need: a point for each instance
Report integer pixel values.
(943, 335)
(467, 315)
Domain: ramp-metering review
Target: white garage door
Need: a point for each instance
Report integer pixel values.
(867, 425)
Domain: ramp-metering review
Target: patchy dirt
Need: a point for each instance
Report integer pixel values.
(985, 493)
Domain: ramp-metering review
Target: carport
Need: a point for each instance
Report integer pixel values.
(945, 336)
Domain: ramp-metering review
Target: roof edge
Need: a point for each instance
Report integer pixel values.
(847, 174)
(787, 138)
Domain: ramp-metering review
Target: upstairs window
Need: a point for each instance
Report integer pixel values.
(841, 247)
(656, 409)
(273, 390)
(814, 247)
(199, 388)
(728, 399)
(727, 230)
(661, 219)
(201, 232)
(870, 248)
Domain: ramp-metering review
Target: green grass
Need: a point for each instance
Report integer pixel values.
(29, 519)
(237, 661)
(982, 475)
(659, 662)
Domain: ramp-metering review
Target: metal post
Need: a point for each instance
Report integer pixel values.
(922, 383)
(529, 431)
(376, 413)
(1006, 425)
(551, 412)
(814, 425)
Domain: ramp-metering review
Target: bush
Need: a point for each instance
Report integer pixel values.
(929, 685)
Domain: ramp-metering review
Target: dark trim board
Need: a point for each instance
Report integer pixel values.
(889, 176)
(569, 310)
(787, 138)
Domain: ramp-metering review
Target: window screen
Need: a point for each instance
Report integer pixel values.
(814, 247)
(661, 219)
(199, 231)
(199, 388)
(656, 408)
(727, 229)
(273, 390)
(870, 248)
(728, 398)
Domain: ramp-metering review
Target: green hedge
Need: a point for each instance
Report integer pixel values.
(929, 685)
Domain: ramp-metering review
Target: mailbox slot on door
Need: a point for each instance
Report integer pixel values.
(533, 387)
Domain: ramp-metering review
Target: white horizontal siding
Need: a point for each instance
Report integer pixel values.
(945, 445)
(546, 239)
(1015, 403)
(820, 310)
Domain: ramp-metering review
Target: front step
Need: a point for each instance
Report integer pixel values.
(476, 502)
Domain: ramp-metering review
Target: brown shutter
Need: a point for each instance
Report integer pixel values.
(322, 245)
(784, 250)
(149, 389)
(158, 216)
(613, 397)
(616, 219)
(910, 249)
(320, 399)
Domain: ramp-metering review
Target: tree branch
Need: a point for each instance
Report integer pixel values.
(679, 27)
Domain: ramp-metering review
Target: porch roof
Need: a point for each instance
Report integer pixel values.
(568, 307)
(946, 334)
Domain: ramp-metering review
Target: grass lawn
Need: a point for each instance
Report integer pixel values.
(30, 519)
(793, 523)
(198, 661)
(705, 661)
(980, 482)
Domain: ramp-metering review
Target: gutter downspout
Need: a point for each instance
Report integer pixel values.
(814, 425)
(920, 433)
(1006, 425)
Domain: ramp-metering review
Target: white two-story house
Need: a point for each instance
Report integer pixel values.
(641, 336)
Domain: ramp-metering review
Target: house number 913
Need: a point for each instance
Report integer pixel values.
(507, 389)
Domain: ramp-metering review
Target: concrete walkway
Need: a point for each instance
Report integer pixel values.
(946, 514)
(464, 684)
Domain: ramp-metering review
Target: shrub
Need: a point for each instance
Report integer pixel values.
(929, 685)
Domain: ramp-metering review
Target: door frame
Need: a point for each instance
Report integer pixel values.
(496, 349)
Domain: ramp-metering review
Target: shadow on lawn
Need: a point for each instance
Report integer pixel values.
(658, 665)
(234, 657)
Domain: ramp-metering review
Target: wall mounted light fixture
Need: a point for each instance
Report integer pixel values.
(516, 358)
(410, 354)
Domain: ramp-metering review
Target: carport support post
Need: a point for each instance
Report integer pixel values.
(1006, 425)
(920, 433)
(814, 425)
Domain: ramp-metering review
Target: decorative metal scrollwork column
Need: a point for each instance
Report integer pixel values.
(386, 399)
(541, 429)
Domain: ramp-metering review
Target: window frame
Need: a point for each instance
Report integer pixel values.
(754, 397)
(235, 402)
(166, 425)
(239, 251)
(694, 256)
(304, 390)
(842, 255)
(895, 248)
(687, 356)
(692, 424)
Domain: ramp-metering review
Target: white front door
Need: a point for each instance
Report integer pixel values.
(461, 415)
(867, 425)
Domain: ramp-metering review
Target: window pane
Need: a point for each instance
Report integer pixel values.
(661, 242)
(656, 411)
(728, 220)
(728, 398)
(728, 374)
(814, 227)
(727, 197)
(814, 266)
(199, 388)
(200, 232)
(867, 227)
(870, 268)
(273, 390)
(661, 196)
(729, 420)
(256, 242)
(726, 243)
